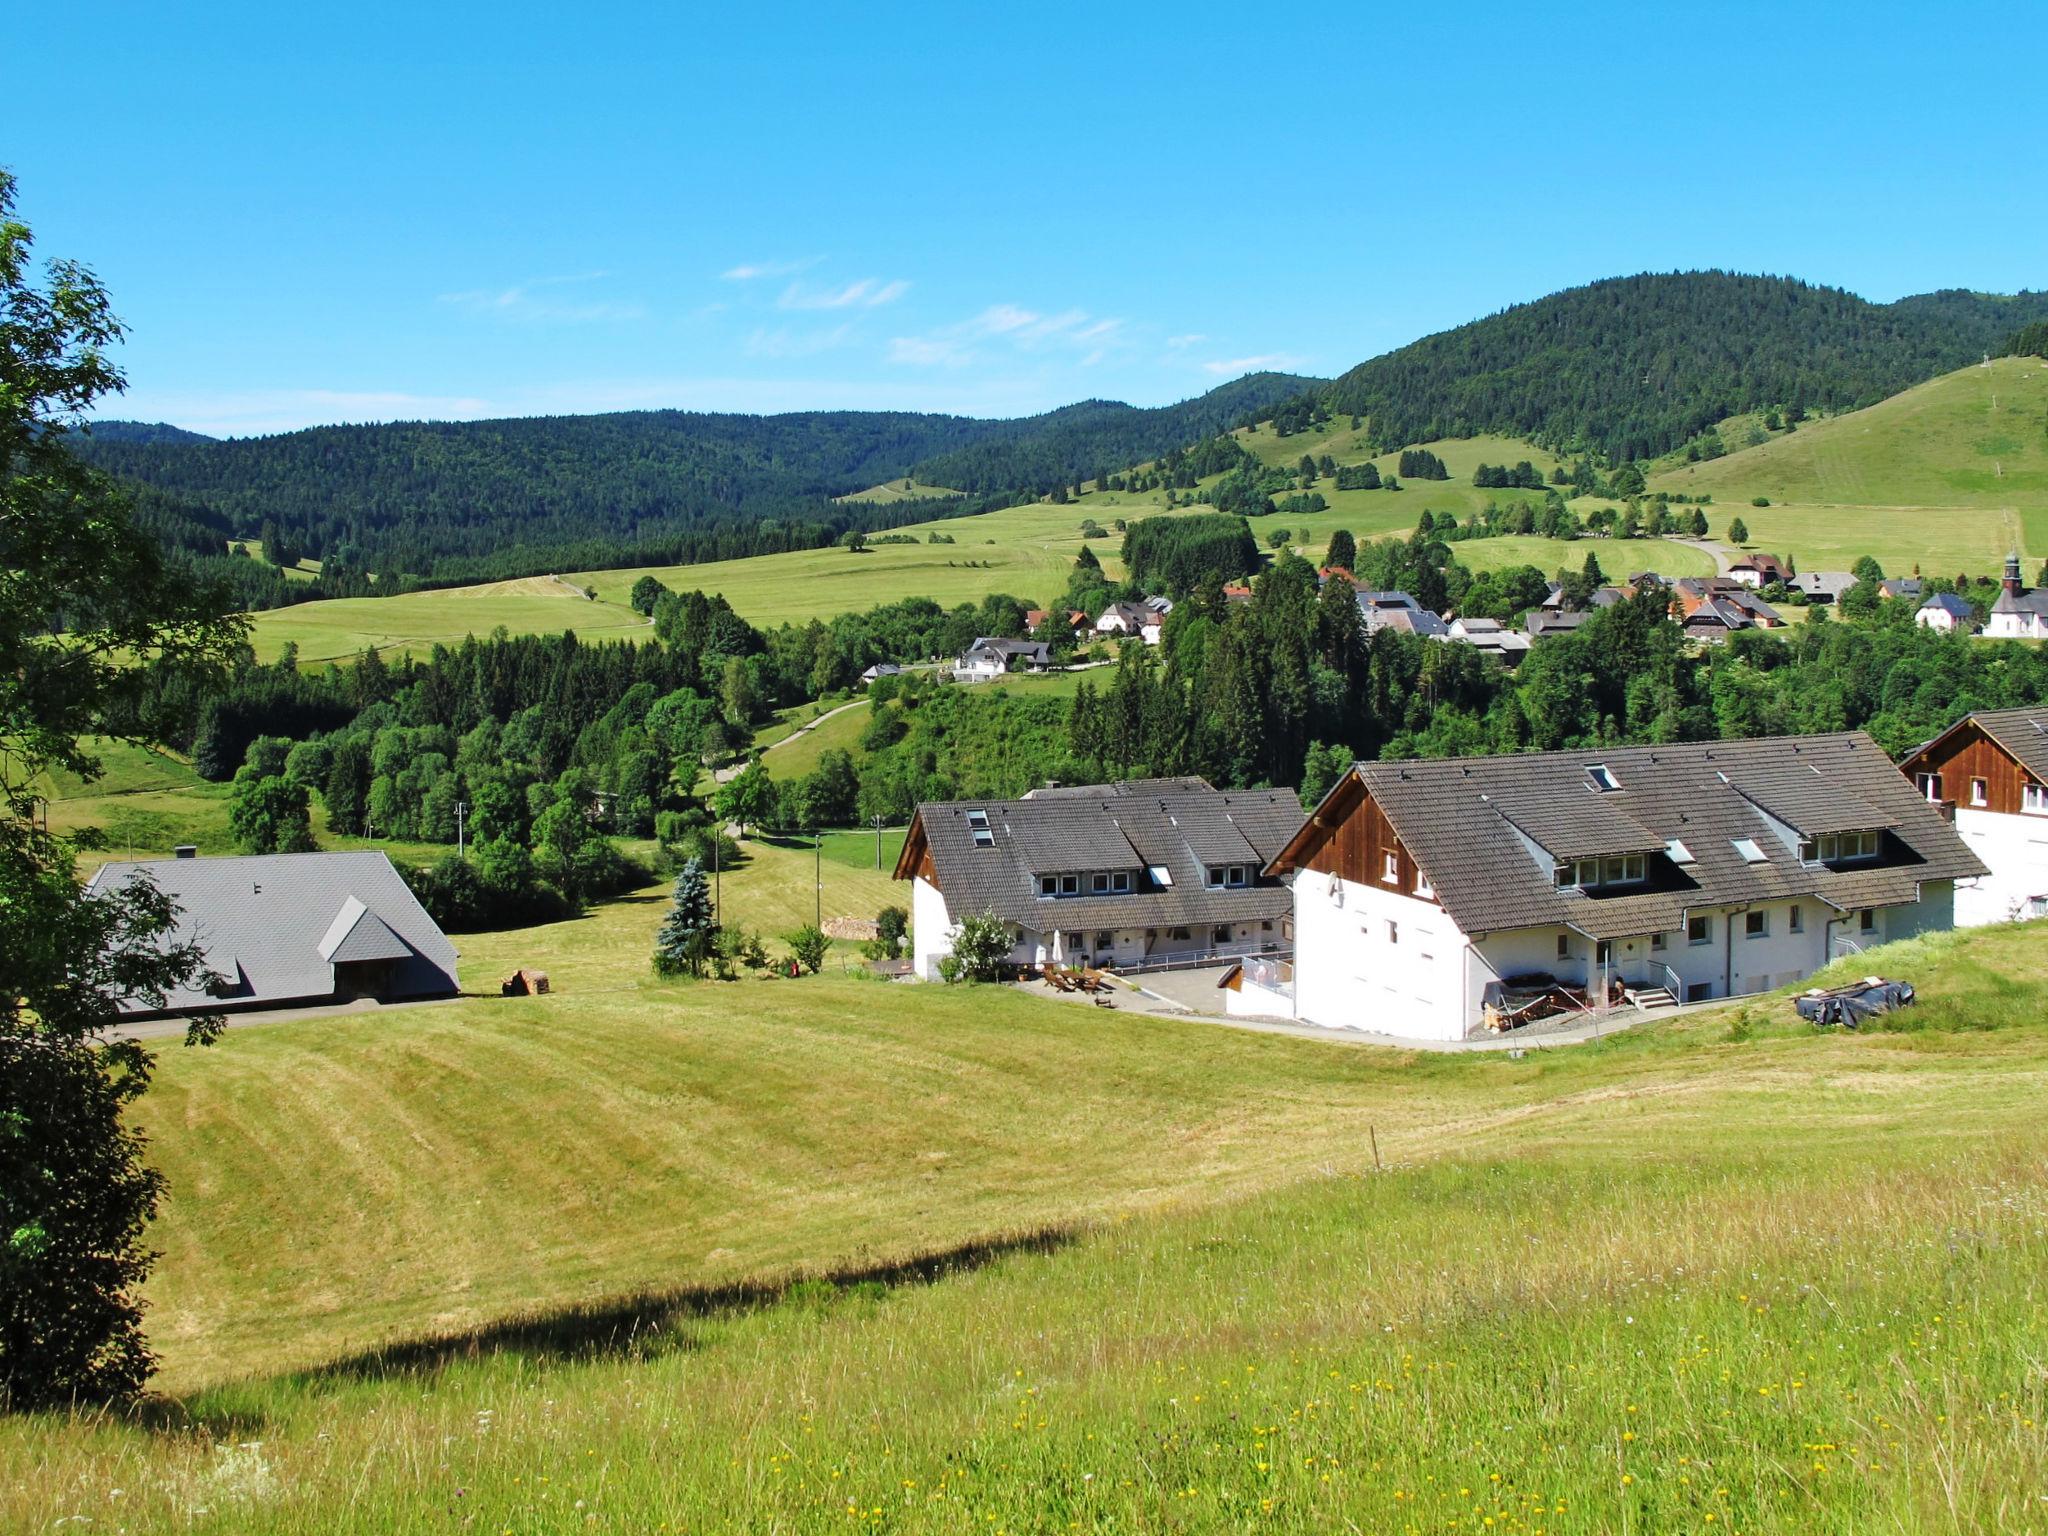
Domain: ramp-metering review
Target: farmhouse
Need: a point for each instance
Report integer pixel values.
(1491, 638)
(1712, 608)
(1145, 873)
(2018, 613)
(1990, 772)
(1823, 586)
(1760, 570)
(295, 929)
(1429, 897)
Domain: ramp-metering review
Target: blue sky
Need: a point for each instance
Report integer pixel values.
(316, 214)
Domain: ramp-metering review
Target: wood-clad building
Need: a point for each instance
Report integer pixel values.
(1989, 772)
(1434, 897)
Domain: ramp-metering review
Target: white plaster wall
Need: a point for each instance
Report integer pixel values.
(2015, 849)
(931, 928)
(1349, 974)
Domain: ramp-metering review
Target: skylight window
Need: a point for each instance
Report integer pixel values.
(977, 823)
(1160, 874)
(1677, 852)
(1603, 777)
(1751, 854)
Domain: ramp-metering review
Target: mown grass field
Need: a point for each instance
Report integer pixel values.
(1949, 475)
(475, 1266)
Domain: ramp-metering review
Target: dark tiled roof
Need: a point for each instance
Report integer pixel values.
(1178, 826)
(2022, 732)
(1483, 829)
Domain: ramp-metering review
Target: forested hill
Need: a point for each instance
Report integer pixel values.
(523, 495)
(1089, 440)
(1635, 366)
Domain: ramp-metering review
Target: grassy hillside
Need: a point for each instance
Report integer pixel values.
(1629, 1285)
(1950, 474)
(1026, 551)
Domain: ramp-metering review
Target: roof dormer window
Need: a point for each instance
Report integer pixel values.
(1840, 847)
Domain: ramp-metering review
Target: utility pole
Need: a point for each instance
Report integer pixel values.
(818, 881)
(461, 809)
(878, 842)
(717, 906)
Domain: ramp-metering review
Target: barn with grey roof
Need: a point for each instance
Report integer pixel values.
(295, 929)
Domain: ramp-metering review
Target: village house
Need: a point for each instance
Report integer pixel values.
(287, 930)
(1491, 638)
(1946, 612)
(1143, 620)
(1397, 610)
(1990, 772)
(1544, 623)
(1146, 873)
(1901, 586)
(1714, 607)
(1434, 897)
(2017, 613)
(880, 669)
(990, 657)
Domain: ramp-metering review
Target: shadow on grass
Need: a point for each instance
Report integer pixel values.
(646, 1325)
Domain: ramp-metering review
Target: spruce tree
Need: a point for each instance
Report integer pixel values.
(684, 942)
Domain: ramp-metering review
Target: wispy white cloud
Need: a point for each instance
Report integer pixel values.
(866, 293)
(788, 341)
(747, 271)
(1234, 366)
(534, 300)
(1024, 329)
(1177, 343)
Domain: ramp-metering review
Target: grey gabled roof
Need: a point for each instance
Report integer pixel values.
(1949, 603)
(277, 924)
(2023, 733)
(1176, 826)
(1487, 830)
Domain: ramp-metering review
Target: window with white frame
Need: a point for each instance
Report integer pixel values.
(1048, 885)
(1795, 919)
(1656, 941)
(1866, 920)
(1070, 885)
(1564, 946)
(1980, 792)
(1592, 874)
(1929, 785)
(1840, 847)
(2034, 799)
(1236, 875)
(1098, 884)
(1699, 929)
(1756, 924)
(1422, 885)
(1213, 875)
(1390, 868)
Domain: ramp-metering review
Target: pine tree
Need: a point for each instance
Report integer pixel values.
(1738, 532)
(684, 942)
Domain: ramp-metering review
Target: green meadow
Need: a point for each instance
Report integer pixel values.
(832, 1254)
(1949, 476)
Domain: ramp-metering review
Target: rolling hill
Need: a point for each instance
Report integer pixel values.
(1633, 366)
(1949, 474)
(517, 497)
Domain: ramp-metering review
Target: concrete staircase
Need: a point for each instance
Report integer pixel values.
(1647, 998)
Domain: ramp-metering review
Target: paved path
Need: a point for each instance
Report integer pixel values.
(732, 770)
(1194, 995)
(1722, 559)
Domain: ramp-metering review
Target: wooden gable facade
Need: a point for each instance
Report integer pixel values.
(1952, 768)
(1349, 836)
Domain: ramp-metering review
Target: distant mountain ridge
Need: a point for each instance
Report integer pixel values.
(1631, 367)
(142, 432)
(478, 499)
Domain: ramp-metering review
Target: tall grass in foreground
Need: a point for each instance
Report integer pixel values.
(1709, 1338)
